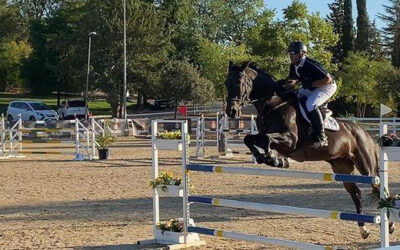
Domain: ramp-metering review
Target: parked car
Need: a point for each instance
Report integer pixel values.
(30, 111)
(162, 104)
(70, 109)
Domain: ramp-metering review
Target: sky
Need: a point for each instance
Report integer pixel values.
(373, 7)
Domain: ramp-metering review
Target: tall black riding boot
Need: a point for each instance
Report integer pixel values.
(319, 137)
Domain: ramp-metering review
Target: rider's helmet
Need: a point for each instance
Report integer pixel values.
(297, 47)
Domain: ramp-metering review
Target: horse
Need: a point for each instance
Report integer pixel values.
(282, 128)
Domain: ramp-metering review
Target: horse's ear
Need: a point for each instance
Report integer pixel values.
(251, 73)
(230, 66)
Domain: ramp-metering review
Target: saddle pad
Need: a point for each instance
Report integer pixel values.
(330, 123)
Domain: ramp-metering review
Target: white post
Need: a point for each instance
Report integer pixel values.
(185, 160)
(394, 125)
(384, 188)
(253, 130)
(156, 201)
(384, 193)
(203, 132)
(3, 144)
(93, 138)
(198, 136)
(217, 129)
(20, 134)
(76, 136)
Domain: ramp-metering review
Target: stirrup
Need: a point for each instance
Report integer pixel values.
(322, 142)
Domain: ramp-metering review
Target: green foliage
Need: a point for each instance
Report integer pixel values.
(169, 135)
(336, 20)
(362, 26)
(173, 225)
(105, 140)
(182, 81)
(12, 55)
(269, 38)
(391, 33)
(348, 28)
(166, 178)
(213, 60)
(365, 81)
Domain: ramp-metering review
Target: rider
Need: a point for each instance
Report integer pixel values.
(317, 85)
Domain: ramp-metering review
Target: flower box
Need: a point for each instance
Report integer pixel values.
(166, 144)
(393, 153)
(170, 237)
(170, 190)
(394, 214)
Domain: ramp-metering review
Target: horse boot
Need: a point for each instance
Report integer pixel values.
(319, 137)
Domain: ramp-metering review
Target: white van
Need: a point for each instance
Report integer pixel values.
(70, 109)
(30, 111)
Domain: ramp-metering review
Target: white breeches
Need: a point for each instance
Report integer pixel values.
(318, 96)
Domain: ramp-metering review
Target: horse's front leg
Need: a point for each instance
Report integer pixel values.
(262, 140)
(259, 140)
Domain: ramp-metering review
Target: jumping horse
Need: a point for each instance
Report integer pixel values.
(282, 128)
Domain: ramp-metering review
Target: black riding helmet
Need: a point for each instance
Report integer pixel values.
(297, 47)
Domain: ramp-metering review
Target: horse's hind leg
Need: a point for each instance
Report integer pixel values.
(365, 159)
(346, 166)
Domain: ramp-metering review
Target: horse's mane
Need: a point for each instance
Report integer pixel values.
(256, 67)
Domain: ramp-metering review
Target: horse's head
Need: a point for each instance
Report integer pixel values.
(246, 82)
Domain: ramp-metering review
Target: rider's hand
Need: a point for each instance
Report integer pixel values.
(290, 84)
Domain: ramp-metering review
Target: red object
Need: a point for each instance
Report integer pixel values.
(182, 110)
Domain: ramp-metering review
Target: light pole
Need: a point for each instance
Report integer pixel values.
(124, 89)
(88, 72)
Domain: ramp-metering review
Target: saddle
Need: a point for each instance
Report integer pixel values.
(330, 123)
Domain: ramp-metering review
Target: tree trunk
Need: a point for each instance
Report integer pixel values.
(58, 98)
(139, 99)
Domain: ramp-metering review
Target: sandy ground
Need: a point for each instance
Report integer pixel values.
(51, 202)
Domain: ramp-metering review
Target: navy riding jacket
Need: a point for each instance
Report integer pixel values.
(307, 71)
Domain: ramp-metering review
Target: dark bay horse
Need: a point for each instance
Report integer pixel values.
(282, 128)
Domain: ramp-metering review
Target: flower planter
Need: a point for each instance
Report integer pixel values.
(393, 153)
(394, 214)
(165, 144)
(169, 237)
(104, 153)
(170, 190)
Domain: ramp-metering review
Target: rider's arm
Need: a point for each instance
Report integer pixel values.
(325, 81)
(292, 73)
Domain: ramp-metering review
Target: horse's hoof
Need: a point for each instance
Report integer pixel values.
(285, 163)
(391, 227)
(260, 159)
(364, 232)
(271, 162)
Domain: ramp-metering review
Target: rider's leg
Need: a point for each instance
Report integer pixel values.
(319, 137)
(318, 97)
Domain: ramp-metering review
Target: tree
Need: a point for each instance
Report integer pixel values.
(213, 59)
(181, 81)
(362, 26)
(348, 28)
(336, 19)
(362, 81)
(391, 32)
(375, 44)
(269, 39)
(148, 43)
(14, 48)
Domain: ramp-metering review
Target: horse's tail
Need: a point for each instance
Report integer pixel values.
(371, 151)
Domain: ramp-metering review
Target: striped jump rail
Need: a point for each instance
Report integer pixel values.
(287, 209)
(47, 153)
(46, 141)
(47, 130)
(236, 130)
(286, 173)
(256, 238)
